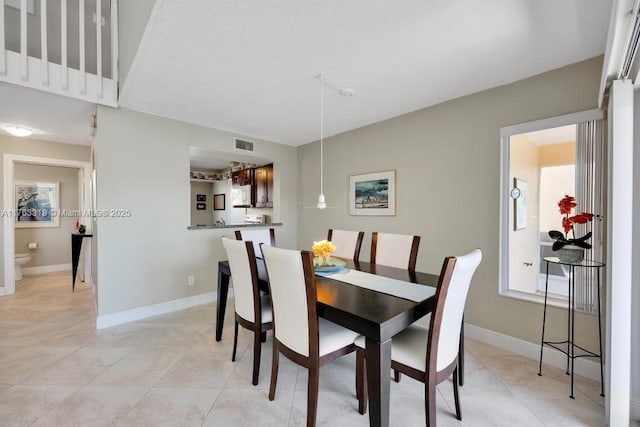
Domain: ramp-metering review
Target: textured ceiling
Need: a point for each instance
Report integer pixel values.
(248, 66)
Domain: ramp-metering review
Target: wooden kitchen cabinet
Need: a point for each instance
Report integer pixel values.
(263, 188)
(242, 177)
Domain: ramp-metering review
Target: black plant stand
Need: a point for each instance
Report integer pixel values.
(570, 341)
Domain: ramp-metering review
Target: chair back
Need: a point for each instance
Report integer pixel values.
(293, 298)
(257, 236)
(348, 243)
(446, 319)
(394, 250)
(244, 273)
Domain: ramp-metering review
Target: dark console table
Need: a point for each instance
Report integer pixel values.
(76, 247)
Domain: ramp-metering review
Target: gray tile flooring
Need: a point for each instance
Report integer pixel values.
(57, 370)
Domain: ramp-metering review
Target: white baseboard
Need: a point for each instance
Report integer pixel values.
(635, 409)
(113, 319)
(586, 368)
(30, 271)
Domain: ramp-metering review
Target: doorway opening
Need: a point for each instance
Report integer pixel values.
(15, 168)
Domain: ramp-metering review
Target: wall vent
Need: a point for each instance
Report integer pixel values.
(243, 145)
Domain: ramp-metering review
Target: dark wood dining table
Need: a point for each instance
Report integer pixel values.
(375, 315)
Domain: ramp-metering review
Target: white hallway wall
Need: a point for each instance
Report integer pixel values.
(635, 320)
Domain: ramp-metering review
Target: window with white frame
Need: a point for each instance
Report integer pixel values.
(541, 162)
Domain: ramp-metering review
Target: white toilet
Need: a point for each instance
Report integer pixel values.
(21, 259)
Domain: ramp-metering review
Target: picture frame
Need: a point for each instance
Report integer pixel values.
(519, 194)
(201, 197)
(201, 206)
(37, 204)
(373, 194)
(219, 202)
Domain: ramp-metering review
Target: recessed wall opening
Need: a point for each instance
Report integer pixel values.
(544, 161)
(229, 188)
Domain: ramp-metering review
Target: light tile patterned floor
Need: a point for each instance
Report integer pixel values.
(56, 369)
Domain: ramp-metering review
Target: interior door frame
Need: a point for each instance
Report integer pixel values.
(9, 162)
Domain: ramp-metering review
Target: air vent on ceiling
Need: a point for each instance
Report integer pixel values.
(243, 145)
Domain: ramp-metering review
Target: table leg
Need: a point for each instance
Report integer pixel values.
(76, 247)
(461, 355)
(223, 290)
(572, 308)
(378, 357)
(569, 325)
(544, 318)
(600, 339)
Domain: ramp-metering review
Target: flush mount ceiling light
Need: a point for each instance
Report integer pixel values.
(322, 204)
(16, 130)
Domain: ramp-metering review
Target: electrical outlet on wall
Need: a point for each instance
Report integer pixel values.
(191, 280)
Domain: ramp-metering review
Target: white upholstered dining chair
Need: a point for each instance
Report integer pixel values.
(430, 355)
(394, 250)
(252, 310)
(348, 243)
(257, 236)
(298, 333)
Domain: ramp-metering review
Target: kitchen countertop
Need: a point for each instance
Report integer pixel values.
(209, 227)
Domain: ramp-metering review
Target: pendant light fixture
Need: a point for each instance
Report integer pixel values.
(322, 204)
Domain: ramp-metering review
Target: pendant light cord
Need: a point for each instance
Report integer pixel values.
(321, 135)
(344, 92)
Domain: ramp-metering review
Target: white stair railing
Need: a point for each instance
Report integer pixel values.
(17, 67)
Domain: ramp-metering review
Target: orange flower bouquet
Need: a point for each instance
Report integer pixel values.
(566, 205)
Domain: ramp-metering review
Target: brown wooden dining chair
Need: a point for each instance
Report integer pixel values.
(257, 236)
(430, 355)
(298, 333)
(348, 243)
(394, 250)
(252, 310)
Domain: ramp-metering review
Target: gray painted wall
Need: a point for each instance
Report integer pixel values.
(36, 148)
(447, 162)
(54, 243)
(132, 20)
(142, 164)
(12, 33)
